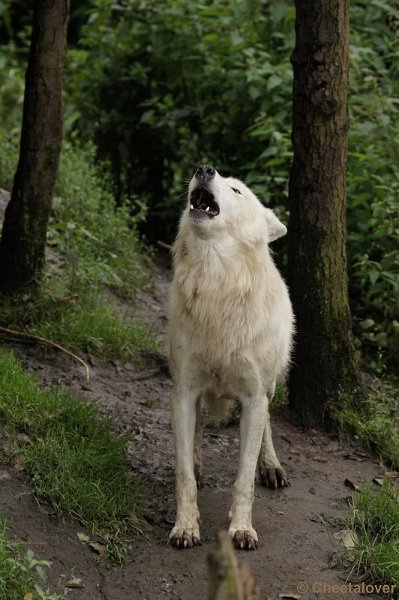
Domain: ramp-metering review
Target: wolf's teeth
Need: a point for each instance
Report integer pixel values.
(207, 209)
(192, 207)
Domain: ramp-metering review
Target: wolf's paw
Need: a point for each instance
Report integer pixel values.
(244, 539)
(184, 538)
(273, 477)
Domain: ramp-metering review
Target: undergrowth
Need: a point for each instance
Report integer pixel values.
(95, 263)
(73, 458)
(375, 421)
(374, 520)
(83, 323)
(98, 241)
(21, 572)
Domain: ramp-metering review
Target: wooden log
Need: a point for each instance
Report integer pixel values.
(229, 579)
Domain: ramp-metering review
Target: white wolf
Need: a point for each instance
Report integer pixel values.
(231, 326)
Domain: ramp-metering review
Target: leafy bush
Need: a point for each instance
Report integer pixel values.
(373, 183)
(165, 85)
(12, 69)
(98, 239)
(20, 571)
(12, 86)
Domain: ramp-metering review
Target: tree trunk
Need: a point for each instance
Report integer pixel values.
(324, 360)
(22, 247)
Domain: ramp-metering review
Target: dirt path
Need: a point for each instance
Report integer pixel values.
(293, 524)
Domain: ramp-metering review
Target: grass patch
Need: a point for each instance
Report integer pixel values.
(98, 328)
(20, 572)
(375, 421)
(374, 519)
(73, 458)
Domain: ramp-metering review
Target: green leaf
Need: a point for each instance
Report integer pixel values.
(273, 82)
(373, 276)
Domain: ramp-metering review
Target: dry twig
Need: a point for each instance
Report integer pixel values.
(43, 340)
(164, 245)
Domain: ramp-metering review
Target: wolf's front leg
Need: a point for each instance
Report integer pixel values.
(185, 533)
(252, 424)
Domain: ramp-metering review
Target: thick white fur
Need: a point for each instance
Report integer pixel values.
(231, 326)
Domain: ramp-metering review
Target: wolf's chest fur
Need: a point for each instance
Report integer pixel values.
(219, 301)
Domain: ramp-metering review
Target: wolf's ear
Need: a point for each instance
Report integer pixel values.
(274, 227)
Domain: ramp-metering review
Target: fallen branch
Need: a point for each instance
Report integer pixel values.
(43, 340)
(228, 578)
(164, 245)
(67, 298)
(146, 374)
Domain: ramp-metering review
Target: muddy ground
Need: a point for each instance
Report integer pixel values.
(295, 525)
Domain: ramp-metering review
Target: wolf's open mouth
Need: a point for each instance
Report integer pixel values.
(202, 199)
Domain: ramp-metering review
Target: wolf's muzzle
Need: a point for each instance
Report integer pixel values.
(205, 173)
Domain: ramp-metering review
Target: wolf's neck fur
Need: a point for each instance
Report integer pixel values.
(220, 289)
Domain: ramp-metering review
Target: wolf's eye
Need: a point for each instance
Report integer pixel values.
(236, 191)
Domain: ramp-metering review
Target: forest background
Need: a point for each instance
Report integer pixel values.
(151, 89)
(156, 87)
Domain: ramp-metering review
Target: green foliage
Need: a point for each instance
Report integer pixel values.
(73, 458)
(8, 158)
(20, 571)
(12, 86)
(12, 70)
(94, 258)
(99, 241)
(373, 183)
(375, 422)
(165, 85)
(374, 519)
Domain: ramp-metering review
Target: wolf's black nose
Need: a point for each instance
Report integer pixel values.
(205, 173)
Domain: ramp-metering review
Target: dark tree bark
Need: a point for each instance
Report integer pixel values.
(324, 360)
(22, 247)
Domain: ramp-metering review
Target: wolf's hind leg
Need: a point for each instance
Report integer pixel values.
(271, 472)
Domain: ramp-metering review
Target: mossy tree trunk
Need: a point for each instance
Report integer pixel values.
(22, 246)
(324, 359)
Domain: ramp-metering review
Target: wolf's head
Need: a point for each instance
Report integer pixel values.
(223, 205)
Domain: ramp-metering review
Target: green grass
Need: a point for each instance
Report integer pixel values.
(100, 329)
(21, 571)
(73, 458)
(375, 421)
(374, 518)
